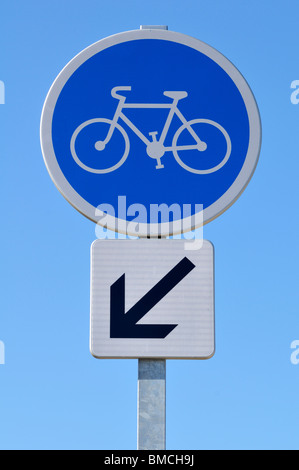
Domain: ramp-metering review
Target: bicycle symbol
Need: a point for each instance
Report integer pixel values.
(155, 147)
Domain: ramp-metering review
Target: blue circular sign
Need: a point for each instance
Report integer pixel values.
(156, 120)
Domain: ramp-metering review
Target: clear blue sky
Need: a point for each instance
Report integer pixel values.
(53, 393)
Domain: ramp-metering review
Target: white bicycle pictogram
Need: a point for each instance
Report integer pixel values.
(155, 147)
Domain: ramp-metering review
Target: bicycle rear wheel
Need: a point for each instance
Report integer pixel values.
(201, 146)
(91, 150)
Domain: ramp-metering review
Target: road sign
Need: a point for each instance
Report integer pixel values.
(152, 299)
(154, 116)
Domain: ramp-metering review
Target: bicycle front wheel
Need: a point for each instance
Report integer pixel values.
(98, 150)
(201, 146)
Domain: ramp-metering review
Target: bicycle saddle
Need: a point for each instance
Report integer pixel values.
(176, 95)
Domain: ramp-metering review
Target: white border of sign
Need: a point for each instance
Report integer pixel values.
(189, 223)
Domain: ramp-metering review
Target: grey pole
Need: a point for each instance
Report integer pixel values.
(151, 404)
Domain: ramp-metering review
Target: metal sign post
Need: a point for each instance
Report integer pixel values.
(137, 138)
(151, 428)
(153, 295)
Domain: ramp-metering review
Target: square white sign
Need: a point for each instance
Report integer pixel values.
(152, 299)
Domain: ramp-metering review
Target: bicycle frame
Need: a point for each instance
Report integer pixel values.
(173, 109)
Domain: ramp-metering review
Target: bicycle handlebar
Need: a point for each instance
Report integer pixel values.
(119, 88)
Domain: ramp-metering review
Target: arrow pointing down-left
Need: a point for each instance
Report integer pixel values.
(124, 325)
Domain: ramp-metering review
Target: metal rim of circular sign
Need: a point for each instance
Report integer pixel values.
(147, 229)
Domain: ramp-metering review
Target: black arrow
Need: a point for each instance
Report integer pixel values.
(123, 325)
